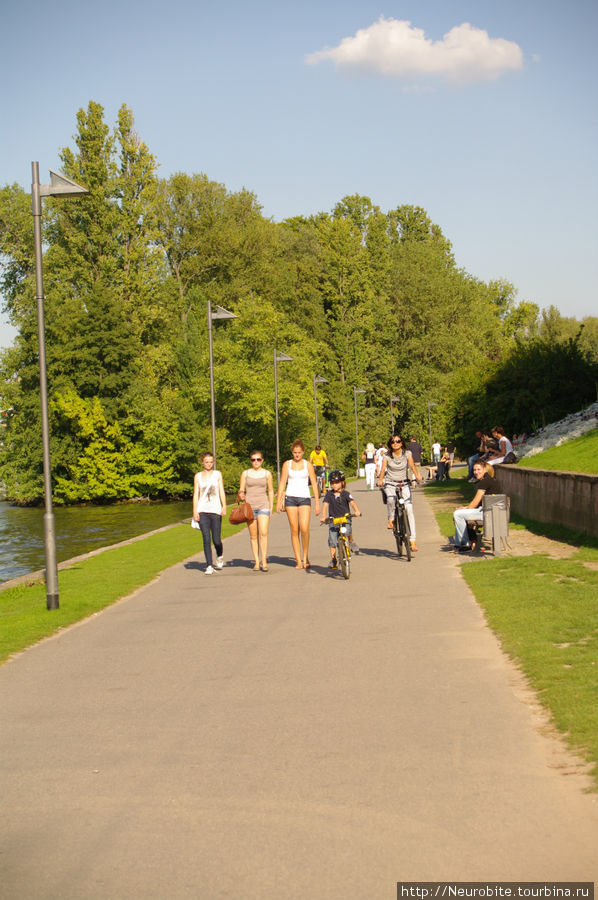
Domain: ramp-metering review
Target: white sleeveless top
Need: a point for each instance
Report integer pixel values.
(298, 481)
(209, 500)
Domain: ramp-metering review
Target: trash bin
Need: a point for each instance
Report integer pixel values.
(496, 509)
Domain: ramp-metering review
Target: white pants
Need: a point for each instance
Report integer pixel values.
(370, 475)
(390, 488)
(461, 517)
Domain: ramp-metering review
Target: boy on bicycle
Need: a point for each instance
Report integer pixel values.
(337, 502)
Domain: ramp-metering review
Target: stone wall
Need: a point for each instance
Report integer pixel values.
(564, 498)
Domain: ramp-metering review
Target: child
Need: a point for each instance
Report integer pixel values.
(337, 502)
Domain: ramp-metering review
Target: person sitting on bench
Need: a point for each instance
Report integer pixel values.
(486, 484)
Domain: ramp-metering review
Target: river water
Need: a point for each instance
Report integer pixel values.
(78, 530)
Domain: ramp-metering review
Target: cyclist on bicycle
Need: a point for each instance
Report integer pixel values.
(337, 502)
(393, 478)
(319, 461)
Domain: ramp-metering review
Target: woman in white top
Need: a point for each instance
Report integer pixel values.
(209, 505)
(293, 496)
(258, 490)
(504, 445)
(369, 458)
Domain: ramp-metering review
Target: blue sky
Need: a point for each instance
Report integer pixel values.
(492, 129)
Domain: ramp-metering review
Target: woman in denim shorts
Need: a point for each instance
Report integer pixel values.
(293, 496)
(258, 490)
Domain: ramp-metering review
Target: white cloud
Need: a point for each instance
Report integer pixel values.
(396, 49)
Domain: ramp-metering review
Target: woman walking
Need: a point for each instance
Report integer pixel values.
(393, 478)
(369, 458)
(293, 496)
(258, 490)
(209, 505)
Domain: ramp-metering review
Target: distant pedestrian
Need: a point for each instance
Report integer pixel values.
(416, 453)
(436, 452)
(380, 454)
(258, 490)
(209, 506)
(369, 458)
(294, 497)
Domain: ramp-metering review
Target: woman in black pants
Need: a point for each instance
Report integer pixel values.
(209, 505)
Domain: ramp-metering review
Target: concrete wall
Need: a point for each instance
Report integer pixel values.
(565, 498)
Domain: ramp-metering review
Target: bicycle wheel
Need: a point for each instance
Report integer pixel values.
(397, 531)
(406, 535)
(343, 558)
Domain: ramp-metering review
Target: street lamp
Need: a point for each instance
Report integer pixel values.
(392, 418)
(430, 404)
(357, 391)
(318, 380)
(278, 357)
(63, 187)
(219, 313)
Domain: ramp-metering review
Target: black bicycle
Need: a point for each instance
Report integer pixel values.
(400, 525)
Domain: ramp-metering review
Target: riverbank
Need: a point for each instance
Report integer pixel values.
(92, 582)
(79, 530)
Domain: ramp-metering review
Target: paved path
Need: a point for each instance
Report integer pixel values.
(283, 735)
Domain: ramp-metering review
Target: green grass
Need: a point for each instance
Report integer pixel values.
(545, 614)
(577, 455)
(90, 585)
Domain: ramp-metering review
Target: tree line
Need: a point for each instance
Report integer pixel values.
(362, 297)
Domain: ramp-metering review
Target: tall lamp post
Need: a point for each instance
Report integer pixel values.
(317, 380)
(357, 391)
(219, 313)
(430, 404)
(392, 418)
(59, 186)
(278, 357)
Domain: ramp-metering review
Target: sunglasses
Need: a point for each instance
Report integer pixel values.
(396, 442)
(256, 459)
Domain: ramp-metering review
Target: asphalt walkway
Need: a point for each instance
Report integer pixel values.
(284, 735)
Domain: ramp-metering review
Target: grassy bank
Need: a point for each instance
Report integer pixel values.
(544, 611)
(577, 455)
(90, 585)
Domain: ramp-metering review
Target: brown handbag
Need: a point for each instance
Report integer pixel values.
(240, 513)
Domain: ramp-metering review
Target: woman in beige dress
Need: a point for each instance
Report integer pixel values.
(258, 490)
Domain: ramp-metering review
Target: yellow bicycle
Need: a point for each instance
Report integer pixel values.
(343, 549)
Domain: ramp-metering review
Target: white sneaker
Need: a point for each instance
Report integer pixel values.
(210, 570)
(219, 562)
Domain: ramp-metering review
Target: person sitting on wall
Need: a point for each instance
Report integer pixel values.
(505, 447)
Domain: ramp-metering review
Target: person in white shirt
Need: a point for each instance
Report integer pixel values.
(209, 505)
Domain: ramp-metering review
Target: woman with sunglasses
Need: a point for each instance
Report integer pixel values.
(257, 489)
(293, 496)
(394, 477)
